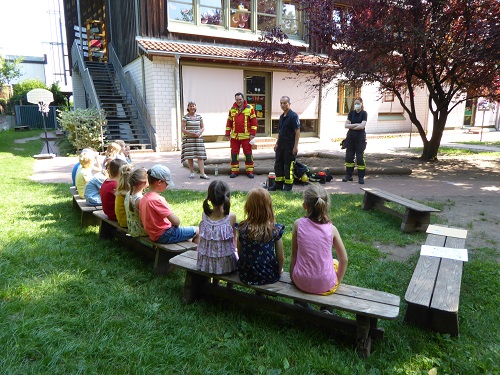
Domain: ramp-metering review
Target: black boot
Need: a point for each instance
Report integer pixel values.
(348, 174)
(287, 187)
(278, 186)
(361, 176)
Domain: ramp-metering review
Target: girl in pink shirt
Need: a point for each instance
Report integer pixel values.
(312, 267)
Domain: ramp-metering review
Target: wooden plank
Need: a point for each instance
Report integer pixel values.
(345, 299)
(399, 200)
(446, 297)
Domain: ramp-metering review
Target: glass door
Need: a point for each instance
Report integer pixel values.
(258, 95)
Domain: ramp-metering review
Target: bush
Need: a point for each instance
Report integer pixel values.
(84, 127)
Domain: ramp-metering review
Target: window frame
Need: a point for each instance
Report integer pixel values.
(341, 97)
(254, 14)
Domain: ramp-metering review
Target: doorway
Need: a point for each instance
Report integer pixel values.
(258, 95)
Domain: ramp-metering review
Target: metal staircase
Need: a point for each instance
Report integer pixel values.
(123, 120)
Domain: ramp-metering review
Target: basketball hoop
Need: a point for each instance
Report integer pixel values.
(43, 98)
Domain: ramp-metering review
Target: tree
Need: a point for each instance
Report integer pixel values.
(9, 70)
(21, 89)
(449, 47)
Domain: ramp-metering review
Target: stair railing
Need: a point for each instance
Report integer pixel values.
(133, 95)
(88, 84)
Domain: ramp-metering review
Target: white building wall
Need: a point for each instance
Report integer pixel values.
(30, 71)
(329, 126)
(135, 71)
(162, 101)
(78, 91)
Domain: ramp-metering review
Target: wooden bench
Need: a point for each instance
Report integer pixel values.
(416, 217)
(160, 253)
(21, 128)
(86, 212)
(367, 305)
(434, 290)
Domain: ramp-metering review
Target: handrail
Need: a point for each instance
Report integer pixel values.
(133, 94)
(88, 84)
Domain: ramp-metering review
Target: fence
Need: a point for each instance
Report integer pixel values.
(31, 116)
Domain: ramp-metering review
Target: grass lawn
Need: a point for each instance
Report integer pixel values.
(71, 303)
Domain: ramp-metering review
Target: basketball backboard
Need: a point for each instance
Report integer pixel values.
(37, 96)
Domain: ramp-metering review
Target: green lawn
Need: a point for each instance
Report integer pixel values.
(71, 303)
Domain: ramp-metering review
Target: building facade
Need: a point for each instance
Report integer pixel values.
(172, 52)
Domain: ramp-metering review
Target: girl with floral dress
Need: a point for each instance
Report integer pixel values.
(138, 181)
(260, 247)
(217, 247)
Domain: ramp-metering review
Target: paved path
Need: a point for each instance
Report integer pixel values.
(412, 186)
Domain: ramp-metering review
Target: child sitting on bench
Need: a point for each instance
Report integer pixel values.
(312, 267)
(159, 221)
(260, 247)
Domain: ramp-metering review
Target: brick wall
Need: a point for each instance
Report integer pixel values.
(160, 76)
(78, 91)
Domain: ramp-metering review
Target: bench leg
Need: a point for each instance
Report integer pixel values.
(444, 322)
(162, 264)
(370, 201)
(415, 221)
(193, 287)
(88, 218)
(364, 340)
(418, 315)
(106, 230)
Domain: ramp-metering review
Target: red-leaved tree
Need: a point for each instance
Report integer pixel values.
(449, 47)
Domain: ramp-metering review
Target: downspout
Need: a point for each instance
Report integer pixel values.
(177, 74)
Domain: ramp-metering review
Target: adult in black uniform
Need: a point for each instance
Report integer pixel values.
(356, 142)
(286, 147)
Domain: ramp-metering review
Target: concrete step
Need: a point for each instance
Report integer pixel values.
(264, 143)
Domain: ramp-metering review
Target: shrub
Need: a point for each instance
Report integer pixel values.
(84, 127)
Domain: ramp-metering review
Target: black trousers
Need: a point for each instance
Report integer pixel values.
(355, 147)
(283, 162)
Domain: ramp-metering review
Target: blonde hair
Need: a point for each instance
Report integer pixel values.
(85, 159)
(113, 150)
(317, 204)
(260, 222)
(136, 177)
(123, 186)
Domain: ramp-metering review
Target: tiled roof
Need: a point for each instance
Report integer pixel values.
(192, 49)
(165, 47)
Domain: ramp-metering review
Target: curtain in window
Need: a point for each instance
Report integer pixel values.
(303, 96)
(213, 91)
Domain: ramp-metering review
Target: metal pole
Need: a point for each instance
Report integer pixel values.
(80, 26)
(45, 130)
(62, 44)
(482, 126)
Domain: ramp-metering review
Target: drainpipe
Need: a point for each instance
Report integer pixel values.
(177, 73)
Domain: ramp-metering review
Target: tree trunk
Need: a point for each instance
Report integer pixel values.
(431, 147)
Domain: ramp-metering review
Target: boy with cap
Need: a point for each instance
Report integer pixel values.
(161, 224)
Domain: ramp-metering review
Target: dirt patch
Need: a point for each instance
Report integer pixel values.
(480, 215)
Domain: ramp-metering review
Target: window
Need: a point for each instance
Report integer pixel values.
(251, 15)
(211, 12)
(290, 19)
(181, 11)
(341, 17)
(388, 97)
(266, 14)
(347, 92)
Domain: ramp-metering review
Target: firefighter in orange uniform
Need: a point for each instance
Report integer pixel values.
(241, 128)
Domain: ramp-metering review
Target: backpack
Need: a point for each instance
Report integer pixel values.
(300, 172)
